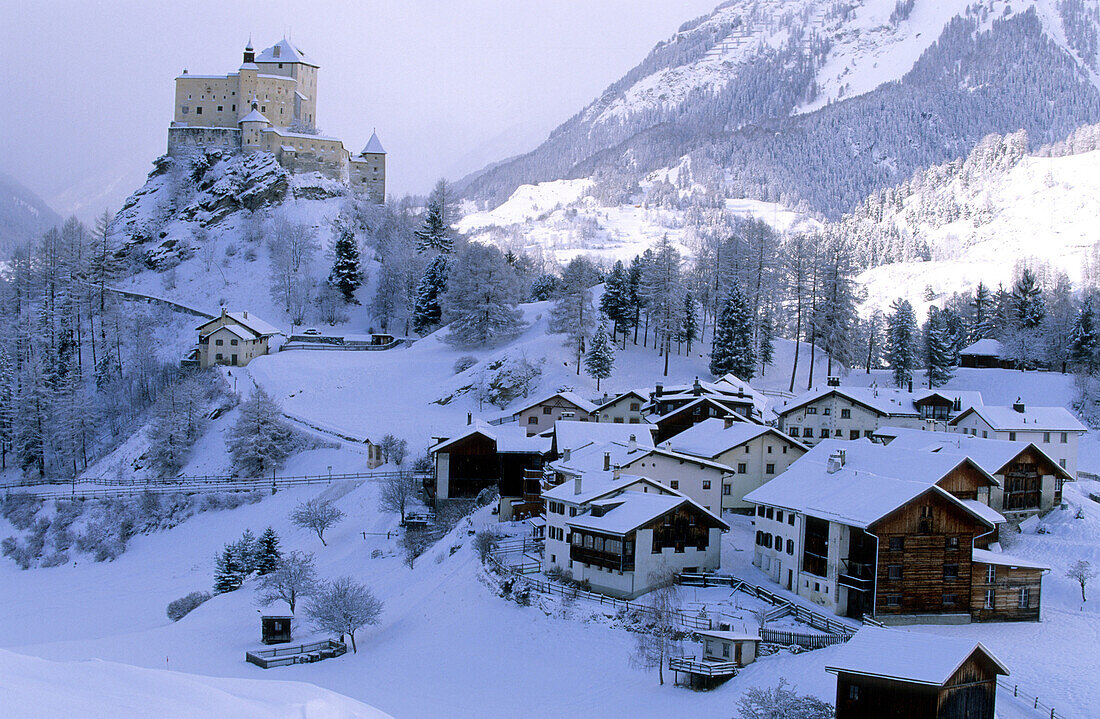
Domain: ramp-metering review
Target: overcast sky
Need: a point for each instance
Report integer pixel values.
(450, 85)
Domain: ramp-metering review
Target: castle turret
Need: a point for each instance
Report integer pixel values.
(249, 53)
(252, 129)
(367, 172)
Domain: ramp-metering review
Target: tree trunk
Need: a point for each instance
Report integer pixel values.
(797, 344)
(354, 649)
(668, 347)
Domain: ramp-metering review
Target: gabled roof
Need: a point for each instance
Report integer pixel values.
(628, 511)
(252, 322)
(873, 482)
(992, 455)
(571, 397)
(912, 657)
(887, 401)
(711, 437)
(1003, 560)
(701, 401)
(243, 332)
(1032, 419)
(509, 440)
(663, 452)
(574, 434)
(984, 348)
(590, 458)
(596, 485)
(287, 52)
(374, 146)
(632, 393)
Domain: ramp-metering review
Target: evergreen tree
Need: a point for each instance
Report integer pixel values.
(732, 350)
(1085, 341)
(901, 339)
(984, 312)
(939, 347)
(268, 555)
(635, 302)
(346, 274)
(427, 314)
(766, 343)
(662, 289)
(689, 323)
(572, 313)
(228, 576)
(434, 235)
(615, 301)
(543, 288)
(600, 360)
(483, 292)
(1027, 303)
(260, 440)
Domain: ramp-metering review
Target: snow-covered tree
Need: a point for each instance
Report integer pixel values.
(939, 348)
(835, 315)
(434, 235)
(482, 295)
(246, 552)
(343, 606)
(347, 273)
(732, 350)
(572, 313)
(662, 289)
(1082, 573)
(393, 449)
(427, 313)
(316, 515)
(780, 702)
(543, 287)
(398, 490)
(600, 360)
(294, 577)
(983, 326)
(615, 301)
(901, 342)
(1028, 307)
(292, 247)
(268, 553)
(228, 575)
(656, 640)
(765, 341)
(260, 440)
(1085, 340)
(689, 321)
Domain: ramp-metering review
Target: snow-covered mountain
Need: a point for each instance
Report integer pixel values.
(819, 103)
(23, 214)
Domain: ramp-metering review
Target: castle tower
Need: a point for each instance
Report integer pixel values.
(367, 171)
(252, 129)
(249, 53)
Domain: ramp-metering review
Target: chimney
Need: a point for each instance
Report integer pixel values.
(577, 484)
(836, 461)
(958, 404)
(910, 385)
(607, 461)
(833, 382)
(658, 390)
(224, 313)
(632, 444)
(616, 472)
(566, 454)
(246, 314)
(1019, 406)
(727, 421)
(697, 388)
(469, 418)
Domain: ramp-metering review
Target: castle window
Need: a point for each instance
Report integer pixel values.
(234, 108)
(263, 108)
(183, 110)
(219, 108)
(198, 110)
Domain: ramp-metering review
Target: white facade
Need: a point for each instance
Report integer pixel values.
(701, 481)
(1058, 444)
(624, 409)
(751, 465)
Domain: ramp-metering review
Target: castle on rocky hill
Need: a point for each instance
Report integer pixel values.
(270, 105)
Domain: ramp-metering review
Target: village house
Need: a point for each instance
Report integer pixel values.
(623, 533)
(1053, 429)
(984, 354)
(860, 528)
(234, 339)
(698, 478)
(574, 435)
(737, 398)
(485, 456)
(835, 412)
(540, 416)
(686, 416)
(724, 649)
(916, 676)
(751, 454)
(624, 409)
(1029, 481)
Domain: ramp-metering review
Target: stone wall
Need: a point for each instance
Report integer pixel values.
(188, 140)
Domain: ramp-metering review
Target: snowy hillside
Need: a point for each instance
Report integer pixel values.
(23, 215)
(818, 103)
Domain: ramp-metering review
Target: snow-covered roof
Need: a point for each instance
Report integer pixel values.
(590, 458)
(1031, 419)
(992, 455)
(1004, 560)
(249, 66)
(736, 633)
(700, 401)
(888, 401)
(595, 485)
(571, 397)
(509, 440)
(630, 510)
(711, 437)
(254, 323)
(639, 393)
(574, 434)
(984, 348)
(912, 657)
(254, 116)
(374, 146)
(285, 51)
(663, 452)
(990, 515)
(872, 482)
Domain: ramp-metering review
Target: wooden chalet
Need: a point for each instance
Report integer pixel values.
(690, 414)
(905, 675)
(733, 397)
(984, 354)
(485, 456)
(901, 535)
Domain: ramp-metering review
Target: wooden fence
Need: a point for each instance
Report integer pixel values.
(707, 669)
(806, 641)
(301, 654)
(1040, 708)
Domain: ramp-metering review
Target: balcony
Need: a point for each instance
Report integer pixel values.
(601, 559)
(857, 575)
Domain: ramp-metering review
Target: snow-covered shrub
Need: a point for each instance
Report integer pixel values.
(464, 363)
(780, 701)
(260, 440)
(17, 552)
(414, 543)
(20, 509)
(487, 496)
(485, 543)
(183, 606)
(55, 559)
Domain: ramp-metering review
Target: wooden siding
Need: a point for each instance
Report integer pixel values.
(1006, 586)
(970, 693)
(964, 481)
(924, 585)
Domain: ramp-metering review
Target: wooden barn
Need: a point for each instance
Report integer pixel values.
(892, 674)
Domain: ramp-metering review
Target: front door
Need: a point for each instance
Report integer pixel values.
(790, 580)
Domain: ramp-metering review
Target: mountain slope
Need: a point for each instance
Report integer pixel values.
(823, 102)
(23, 214)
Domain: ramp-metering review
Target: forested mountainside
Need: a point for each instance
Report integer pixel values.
(23, 215)
(819, 104)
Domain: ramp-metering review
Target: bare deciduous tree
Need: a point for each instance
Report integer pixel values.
(317, 515)
(1082, 572)
(344, 606)
(657, 640)
(781, 703)
(294, 577)
(397, 491)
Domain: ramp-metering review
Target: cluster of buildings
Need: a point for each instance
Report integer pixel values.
(869, 501)
(270, 105)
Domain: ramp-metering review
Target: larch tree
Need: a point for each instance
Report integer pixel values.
(901, 342)
(572, 313)
(656, 640)
(765, 342)
(663, 290)
(480, 304)
(600, 360)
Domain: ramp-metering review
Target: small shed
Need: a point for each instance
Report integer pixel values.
(914, 676)
(986, 353)
(276, 629)
(730, 644)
